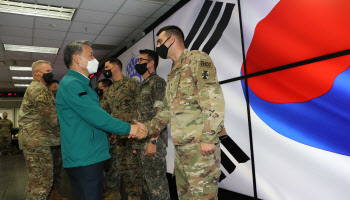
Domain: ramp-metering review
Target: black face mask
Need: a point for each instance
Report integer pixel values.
(48, 77)
(5, 117)
(99, 92)
(141, 68)
(107, 73)
(162, 51)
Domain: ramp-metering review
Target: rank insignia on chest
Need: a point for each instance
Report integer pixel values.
(205, 74)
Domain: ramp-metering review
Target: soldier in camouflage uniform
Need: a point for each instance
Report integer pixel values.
(120, 101)
(5, 135)
(39, 131)
(194, 106)
(151, 152)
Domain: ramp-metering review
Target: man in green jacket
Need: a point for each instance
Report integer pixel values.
(83, 122)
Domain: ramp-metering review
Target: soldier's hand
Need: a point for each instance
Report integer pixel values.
(134, 151)
(207, 149)
(151, 149)
(138, 130)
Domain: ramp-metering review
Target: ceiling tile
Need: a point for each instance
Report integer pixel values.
(47, 57)
(88, 28)
(16, 40)
(16, 55)
(161, 11)
(147, 23)
(21, 73)
(79, 36)
(23, 63)
(47, 43)
(65, 3)
(99, 54)
(16, 31)
(110, 40)
(47, 34)
(52, 24)
(102, 5)
(16, 20)
(91, 16)
(117, 31)
(137, 34)
(172, 2)
(59, 60)
(127, 20)
(139, 8)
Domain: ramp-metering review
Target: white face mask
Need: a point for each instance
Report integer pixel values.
(92, 65)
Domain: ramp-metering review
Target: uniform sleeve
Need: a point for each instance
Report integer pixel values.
(104, 103)
(46, 107)
(159, 122)
(91, 112)
(158, 92)
(137, 89)
(211, 99)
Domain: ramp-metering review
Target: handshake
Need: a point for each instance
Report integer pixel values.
(138, 130)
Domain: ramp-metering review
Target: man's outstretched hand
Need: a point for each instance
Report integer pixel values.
(138, 130)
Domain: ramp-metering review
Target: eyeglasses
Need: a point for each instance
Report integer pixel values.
(141, 59)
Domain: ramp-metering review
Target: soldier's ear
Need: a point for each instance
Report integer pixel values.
(150, 64)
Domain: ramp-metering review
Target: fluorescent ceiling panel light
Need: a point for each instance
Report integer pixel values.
(21, 78)
(17, 68)
(154, 1)
(36, 10)
(33, 49)
(21, 85)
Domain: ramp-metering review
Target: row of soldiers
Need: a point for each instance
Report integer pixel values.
(191, 102)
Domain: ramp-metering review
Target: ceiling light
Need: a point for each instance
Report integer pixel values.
(34, 49)
(155, 1)
(21, 78)
(36, 10)
(17, 68)
(21, 85)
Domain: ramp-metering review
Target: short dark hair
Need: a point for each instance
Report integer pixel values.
(172, 30)
(72, 48)
(106, 82)
(53, 81)
(116, 61)
(151, 55)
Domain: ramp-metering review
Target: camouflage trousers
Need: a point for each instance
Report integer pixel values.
(5, 145)
(39, 171)
(197, 176)
(155, 182)
(129, 168)
(112, 176)
(57, 165)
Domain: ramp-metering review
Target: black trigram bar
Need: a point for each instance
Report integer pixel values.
(235, 150)
(220, 28)
(222, 176)
(227, 163)
(197, 24)
(208, 26)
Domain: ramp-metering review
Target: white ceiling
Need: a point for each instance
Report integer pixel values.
(104, 22)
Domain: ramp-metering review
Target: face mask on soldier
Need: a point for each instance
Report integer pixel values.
(108, 72)
(141, 68)
(47, 77)
(162, 51)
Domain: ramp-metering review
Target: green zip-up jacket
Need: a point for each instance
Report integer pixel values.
(83, 122)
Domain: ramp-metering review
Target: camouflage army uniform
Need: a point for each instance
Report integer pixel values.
(194, 105)
(39, 131)
(120, 101)
(153, 168)
(5, 136)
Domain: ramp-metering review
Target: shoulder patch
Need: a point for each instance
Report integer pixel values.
(204, 63)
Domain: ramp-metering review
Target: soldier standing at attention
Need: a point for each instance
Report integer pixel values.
(120, 101)
(194, 106)
(39, 131)
(5, 135)
(151, 152)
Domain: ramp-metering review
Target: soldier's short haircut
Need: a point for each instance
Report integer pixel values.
(73, 48)
(172, 30)
(36, 64)
(53, 81)
(116, 61)
(151, 55)
(106, 82)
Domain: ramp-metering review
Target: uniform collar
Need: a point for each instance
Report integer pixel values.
(177, 64)
(149, 77)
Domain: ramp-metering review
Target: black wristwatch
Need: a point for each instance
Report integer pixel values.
(153, 141)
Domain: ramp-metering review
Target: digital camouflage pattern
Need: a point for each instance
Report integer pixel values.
(153, 168)
(197, 176)
(39, 165)
(5, 136)
(194, 103)
(194, 106)
(120, 101)
(38, 123)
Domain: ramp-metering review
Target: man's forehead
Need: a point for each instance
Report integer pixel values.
(87, 49)
(144, 55)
